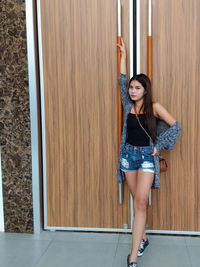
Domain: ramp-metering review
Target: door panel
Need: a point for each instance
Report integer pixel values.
(175, 77)
(80, 106)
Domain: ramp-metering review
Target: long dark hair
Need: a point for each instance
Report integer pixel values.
(147, 105)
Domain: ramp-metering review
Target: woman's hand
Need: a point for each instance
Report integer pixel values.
(122, 48)
(155, 152)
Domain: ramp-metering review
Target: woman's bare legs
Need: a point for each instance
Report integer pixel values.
(131, 179)
(139, 183)
(144, 183)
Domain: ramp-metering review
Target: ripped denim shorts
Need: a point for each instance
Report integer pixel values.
(137, 157)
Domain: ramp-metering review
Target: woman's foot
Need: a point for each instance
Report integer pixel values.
(143, 245)
(131, 264)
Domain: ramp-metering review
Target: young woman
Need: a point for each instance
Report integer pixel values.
(148, 128)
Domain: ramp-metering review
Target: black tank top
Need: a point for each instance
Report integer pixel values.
(136, 136)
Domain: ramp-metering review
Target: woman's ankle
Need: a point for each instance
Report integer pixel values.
(133, 258)
(144, 237)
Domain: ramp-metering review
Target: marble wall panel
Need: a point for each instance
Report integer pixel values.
(15, 118)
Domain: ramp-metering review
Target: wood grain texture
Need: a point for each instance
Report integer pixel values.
(175, 75)
(80, 90)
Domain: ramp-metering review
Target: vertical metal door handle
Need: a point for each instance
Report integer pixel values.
(149, 41)
(149, 53)
(119, 97)
(120, 194)
(149, 202)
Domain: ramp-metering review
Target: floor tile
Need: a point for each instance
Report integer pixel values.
(155, 239)
(165, 256)
(84, 254)
(192, 241)
(167, 240)
(121, 255)
(60, 249)
(194, 252)
(44, 235)
(163, 251)
(125, 238)
(21, 252)
(86, 237)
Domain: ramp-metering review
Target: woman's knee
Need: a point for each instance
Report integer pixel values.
(140, 203)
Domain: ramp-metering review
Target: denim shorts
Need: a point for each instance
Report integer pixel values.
(137, 157)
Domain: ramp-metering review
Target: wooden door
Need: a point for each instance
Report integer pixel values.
(80, 110)
(176, 57)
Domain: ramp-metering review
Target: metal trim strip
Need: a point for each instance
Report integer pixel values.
(138, 35)
(122, 230)
(42, 111)
(132, 44)
(33, 113)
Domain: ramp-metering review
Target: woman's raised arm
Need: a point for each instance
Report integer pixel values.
(123, 57)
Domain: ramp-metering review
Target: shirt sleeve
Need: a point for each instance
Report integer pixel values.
(168, 139)
(123, 85)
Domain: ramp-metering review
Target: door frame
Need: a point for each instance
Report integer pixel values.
(30, 12)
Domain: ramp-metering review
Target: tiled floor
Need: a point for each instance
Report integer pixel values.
(76, 249)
